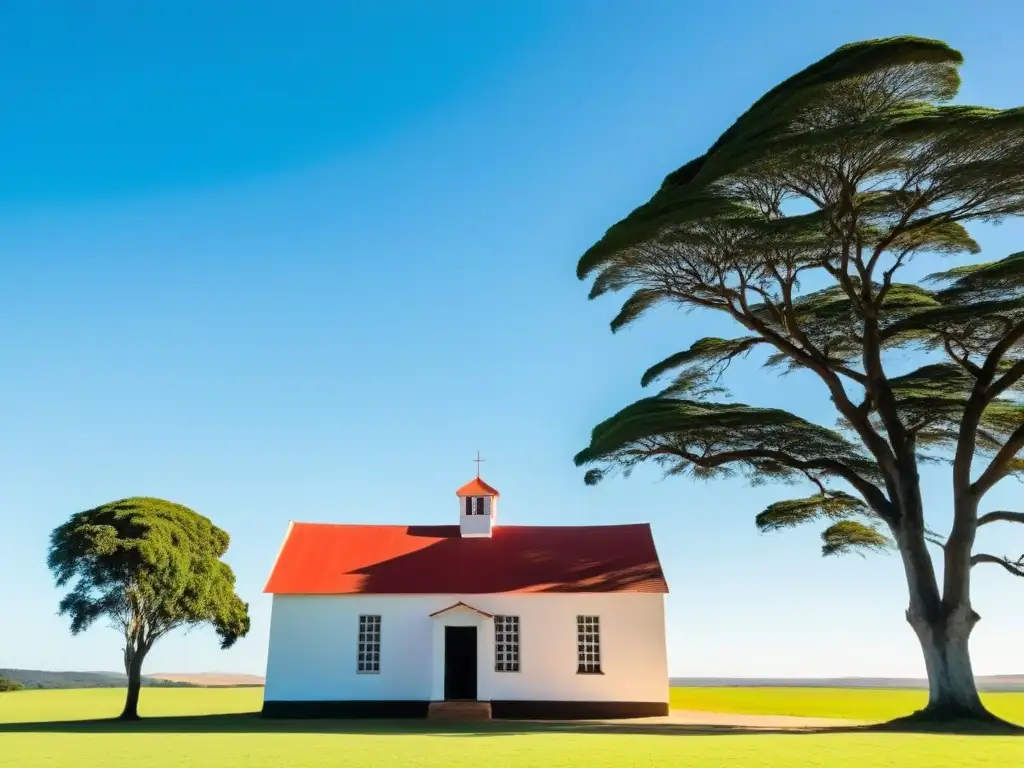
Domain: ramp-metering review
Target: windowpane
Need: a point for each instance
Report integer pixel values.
(368, 656)
(506, 643)
(588, 645)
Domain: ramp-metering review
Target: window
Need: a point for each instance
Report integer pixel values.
(369, 644)
(475, 505)
(588, 645)
(506, 643)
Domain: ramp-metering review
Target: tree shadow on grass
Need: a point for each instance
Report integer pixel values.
(254, 723)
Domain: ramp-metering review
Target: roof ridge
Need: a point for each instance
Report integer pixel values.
(375, 525)
(456, 525)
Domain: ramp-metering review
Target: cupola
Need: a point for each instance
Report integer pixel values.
(478, 508)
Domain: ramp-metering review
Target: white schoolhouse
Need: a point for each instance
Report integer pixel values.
(474, 619)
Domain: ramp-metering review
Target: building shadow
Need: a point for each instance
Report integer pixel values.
(254, 723)
(554, 563)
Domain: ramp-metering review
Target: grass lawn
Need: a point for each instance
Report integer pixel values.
(202, 727)
(849, 703)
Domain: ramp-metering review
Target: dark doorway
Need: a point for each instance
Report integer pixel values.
(460, 663)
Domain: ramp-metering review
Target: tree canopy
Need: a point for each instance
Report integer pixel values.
(797, 224)
(7, 685)
(149, 567)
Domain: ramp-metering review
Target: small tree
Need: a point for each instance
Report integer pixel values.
(6, 685)
(148, 566)
(796, 224)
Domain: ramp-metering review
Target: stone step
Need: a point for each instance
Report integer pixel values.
(466, 711)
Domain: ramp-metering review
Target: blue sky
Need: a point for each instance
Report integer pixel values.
(301, 260)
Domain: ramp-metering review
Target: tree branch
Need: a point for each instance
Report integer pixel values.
(1016, 567)
(962, 361)
(1001, 516)
(934, 538)
(981, 395)
(868, 490)
(1007, 380)
(877, 384)
(999, 350)
(879, 388)
(857, 418)
(996, 469)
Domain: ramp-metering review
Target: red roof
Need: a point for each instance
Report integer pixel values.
(324, 559)
(476, 487)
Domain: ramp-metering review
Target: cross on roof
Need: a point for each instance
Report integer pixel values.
(478, 460)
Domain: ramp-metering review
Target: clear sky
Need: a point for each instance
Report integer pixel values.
(282, 260)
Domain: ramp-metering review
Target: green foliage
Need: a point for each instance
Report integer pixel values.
(687, 436)
(846, 534)
(7, 685)
(836, 178)
(852, 536)
(704, 362)
(834, 505)
(149, 566)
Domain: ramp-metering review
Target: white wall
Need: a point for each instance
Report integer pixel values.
(313, 639)
(478, 525)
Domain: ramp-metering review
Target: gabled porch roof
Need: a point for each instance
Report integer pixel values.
(461, 606)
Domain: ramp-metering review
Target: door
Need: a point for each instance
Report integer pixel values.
(460, 663)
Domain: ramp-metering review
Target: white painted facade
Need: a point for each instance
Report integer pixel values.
(314, 641)
(478, 525)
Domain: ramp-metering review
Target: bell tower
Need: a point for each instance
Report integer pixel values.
(478, 506)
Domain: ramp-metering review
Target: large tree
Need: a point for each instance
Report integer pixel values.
(798, 224)
(148, 566)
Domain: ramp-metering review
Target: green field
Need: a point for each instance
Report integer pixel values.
(210, 727)
(849, 703)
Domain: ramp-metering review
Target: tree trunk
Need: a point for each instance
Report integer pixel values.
(133, 668)
(942, 629)
(952, 692)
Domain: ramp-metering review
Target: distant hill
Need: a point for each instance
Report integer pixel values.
(210, 679)
(40, 679)
(35, 678)
(991, 683)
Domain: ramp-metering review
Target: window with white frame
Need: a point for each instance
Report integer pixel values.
(588, 645)
(506, 643)
(369, 645)
(475, 505)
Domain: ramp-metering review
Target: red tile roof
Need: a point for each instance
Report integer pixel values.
(476, 487)
(325, 559)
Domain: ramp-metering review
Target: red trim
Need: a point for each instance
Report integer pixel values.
(460, 604)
